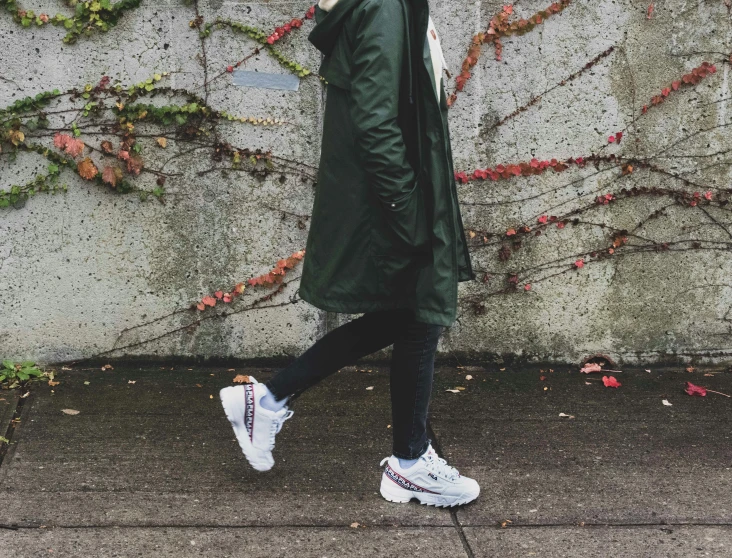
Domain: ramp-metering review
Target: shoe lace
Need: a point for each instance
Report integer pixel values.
(276, 426)
(439, 466)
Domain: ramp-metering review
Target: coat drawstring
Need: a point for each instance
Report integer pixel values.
(409, 52)
(411, 88)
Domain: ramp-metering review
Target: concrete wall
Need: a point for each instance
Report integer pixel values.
(80, 271)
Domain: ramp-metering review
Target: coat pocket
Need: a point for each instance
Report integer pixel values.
(397, 262)
(406, 229)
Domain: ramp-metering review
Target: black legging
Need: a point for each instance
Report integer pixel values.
(412, 368)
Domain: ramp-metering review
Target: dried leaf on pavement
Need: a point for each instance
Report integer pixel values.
(610, 381)
(667, 403)
(242, 379)
(70, 411)
(692, 389)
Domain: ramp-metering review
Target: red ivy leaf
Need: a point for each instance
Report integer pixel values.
(610, 381)
(111, 175)
(86, 169)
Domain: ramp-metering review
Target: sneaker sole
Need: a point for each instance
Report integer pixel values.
(232, 399)
(393, 493)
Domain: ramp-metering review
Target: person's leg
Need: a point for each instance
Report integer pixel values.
(412, 370)
(257, 411)
(414, 470)
(338, 348)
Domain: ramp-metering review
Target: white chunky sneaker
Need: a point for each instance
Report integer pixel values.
(255, 427)
(431, 481)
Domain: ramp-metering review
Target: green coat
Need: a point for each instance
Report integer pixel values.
(382, 235)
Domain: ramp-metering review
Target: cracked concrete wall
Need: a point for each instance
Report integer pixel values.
(86, 272)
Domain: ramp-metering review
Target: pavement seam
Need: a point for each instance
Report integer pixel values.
(415, 527)
(453, 511)
(419, 526)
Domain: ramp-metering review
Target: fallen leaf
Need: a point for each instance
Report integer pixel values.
(610, 381)
(468, 377)
(647, 370)
(87, 383)
(162, 142)
(242, 379)
(369, 388)
(199, 385)
(105, 367)
(453, 390)
(542, 378)
(65, 368)
(354, 525)
(70, 411)
(131, 381)
(210, 396)
(691, 389)
(564, 415)
(689, 368)
(52, 383)
(667, 403)
(712, 375)
(591, 367)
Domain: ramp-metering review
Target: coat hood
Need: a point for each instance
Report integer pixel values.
(324, 35)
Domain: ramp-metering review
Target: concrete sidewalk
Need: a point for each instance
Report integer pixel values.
(149, 467)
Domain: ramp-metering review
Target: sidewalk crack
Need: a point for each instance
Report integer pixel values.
(453, 512)
(14, 420)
